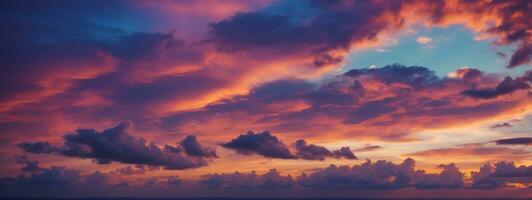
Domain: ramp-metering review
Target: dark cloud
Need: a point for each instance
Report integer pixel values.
(508, 169)
(150, 182)
(315, 152)
(507, 86)
(370, 110)
(345, 152)
(382, 175)
(360, 102)
(368, 148)
(499, 175)
(521, 56)
(321, 28)
(416, 76)
(503, 125)
(116, 144)
(192, 147)
(264, 144)
(174, 181)
(37, 147)
(332, 28)
(514, 26)
(311, 151)
(49, 176)
(270, 180)
(96, 178)
(515, 141)
(30, 166)
(122, 184)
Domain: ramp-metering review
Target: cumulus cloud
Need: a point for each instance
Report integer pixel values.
(272, 180)
(467, 74)
(382, 175)
(47, 176)
(311, 151)
(500, 174)
(116, 144)
(315, 152)
(192, 147)
(507, 86)
(264, 144)
(345, 152)
(270, 146)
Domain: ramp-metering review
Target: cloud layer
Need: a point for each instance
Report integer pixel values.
(116, 144)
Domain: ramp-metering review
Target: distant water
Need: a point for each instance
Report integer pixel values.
(253, 198)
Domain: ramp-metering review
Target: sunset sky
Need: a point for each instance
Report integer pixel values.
(266, 98)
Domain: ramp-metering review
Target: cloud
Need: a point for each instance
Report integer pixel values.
(174, 181)
(423, 40)
(264, 144)
(37, 147)
(101, 72)
(368, 148)
(311, 151)
(137, 169)
(503, 125)
(467, 74)
(30, 166)
(270, 180)
(116, 144)
(475, 152)
(521, 56)
(417, 76)
(47, 176)
(515, 141)
(382, 175)
(393, 100)
(192, 147)
(338, 26)
(345, 152)
(507, 86)
(151, 182)
(270, 146)
(499, 175)
(315, 152)
(96, 178)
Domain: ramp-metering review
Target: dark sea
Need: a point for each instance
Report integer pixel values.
(226, 198)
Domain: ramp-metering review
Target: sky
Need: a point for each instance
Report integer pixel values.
(266, 98)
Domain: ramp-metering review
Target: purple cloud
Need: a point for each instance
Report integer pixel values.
(382, 175)
(264, 144)
(116, 144)
(515, 141)
(192, 147)
(271, 180)
(315, 152)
